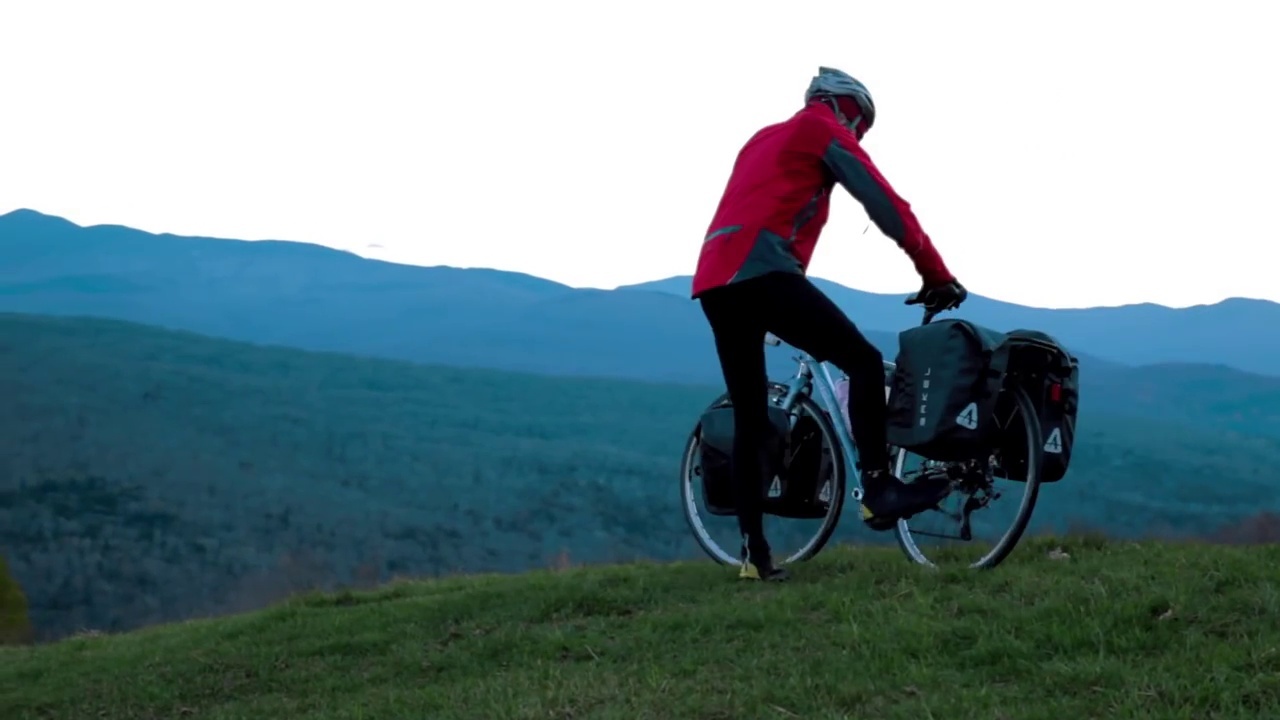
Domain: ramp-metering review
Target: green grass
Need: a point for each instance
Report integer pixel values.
(1117, 630)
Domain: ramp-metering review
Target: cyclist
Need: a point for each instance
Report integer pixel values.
(750, 280)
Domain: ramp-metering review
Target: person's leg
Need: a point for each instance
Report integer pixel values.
(803, 317)
(739, 338)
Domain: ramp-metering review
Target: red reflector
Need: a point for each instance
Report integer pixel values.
(1055, 392)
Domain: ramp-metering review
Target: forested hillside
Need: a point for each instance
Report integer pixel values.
(149, 475)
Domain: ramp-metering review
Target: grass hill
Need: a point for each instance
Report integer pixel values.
(1113, 630)
(318, 298)
(149, 475)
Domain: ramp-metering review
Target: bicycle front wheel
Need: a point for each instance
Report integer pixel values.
(977, 494)
(718, 535)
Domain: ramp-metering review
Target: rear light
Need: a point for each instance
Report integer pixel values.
(1055, 392)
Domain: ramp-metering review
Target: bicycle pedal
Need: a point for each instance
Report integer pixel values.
(880, 524)
(877, 524)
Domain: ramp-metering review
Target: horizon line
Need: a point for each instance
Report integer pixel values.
(620, 286)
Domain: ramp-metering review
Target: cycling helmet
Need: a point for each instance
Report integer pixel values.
(832, 83)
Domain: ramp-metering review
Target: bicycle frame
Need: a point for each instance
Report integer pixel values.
(804, 382)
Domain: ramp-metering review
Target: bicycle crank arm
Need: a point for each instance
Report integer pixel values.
(966, 530)
(941, 535)
(962, 518)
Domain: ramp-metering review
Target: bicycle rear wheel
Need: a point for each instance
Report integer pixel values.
(810, 535)
(976, 491)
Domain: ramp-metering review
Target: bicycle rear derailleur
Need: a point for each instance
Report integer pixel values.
(974, 480)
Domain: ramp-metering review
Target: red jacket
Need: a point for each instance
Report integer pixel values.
(779, 195)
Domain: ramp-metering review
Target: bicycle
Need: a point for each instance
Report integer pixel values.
(972, 479)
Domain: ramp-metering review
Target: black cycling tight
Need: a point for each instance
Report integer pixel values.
(794, 309)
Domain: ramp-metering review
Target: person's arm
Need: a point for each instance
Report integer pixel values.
(854, 170)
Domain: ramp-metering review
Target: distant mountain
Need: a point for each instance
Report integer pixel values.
(316, 298)
(268, 291)
(1237, 332)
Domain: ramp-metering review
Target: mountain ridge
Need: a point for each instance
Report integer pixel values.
(318, 298)
(680, 285)
(672, 284)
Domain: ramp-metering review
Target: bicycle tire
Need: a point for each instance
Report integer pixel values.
(829, 523)
(1035, 462)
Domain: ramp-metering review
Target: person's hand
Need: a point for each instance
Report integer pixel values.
(937, 298)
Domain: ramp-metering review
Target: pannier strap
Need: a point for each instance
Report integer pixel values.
(997, 366)
(1062, 355)
(1042, 344)
(997, 359)
(997, 363)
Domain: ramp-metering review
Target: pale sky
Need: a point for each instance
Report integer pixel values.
(1064, 155)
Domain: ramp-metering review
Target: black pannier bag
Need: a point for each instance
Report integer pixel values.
(716, 432)
(943, 390)
(1051, 376)
(797, 479)
(803, 486)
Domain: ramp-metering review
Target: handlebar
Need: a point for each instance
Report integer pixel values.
(929, 313)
